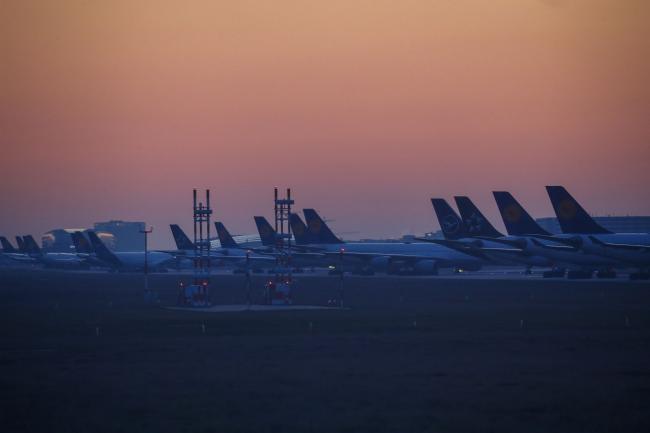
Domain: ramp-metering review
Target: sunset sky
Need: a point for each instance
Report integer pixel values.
(365, 108)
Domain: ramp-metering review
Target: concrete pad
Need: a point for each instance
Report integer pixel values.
(238, 308)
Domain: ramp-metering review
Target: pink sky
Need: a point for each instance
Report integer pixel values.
(365, 108)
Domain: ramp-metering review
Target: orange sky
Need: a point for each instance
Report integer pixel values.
(117, 109)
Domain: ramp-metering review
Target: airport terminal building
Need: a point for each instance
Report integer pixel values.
(117, 235)
(58, 240)
(127, 234)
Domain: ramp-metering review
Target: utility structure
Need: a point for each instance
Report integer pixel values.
(148, 295)
(278, 290)
(198, 293)
(249, 295)
(341, 292)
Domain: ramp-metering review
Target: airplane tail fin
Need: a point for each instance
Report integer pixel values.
(450, 223)
(266, 231)
(318, 230)
(299, 229)
(475, 222)
(81, 244)
(518, 222)
(6, 245)
(181, 239)
(571, 216)
(225, 239)
(21, 244)
(30, 245)
(101, 250)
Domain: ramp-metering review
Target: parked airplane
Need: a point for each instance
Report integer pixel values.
(394, 257)
(474, 234)
(85, 250)
(6, 246)
(230, 253)
(226, 240)
(268, 236)
(303, 236)
(52, 260)
(581, 231)
(185, 249)
(21, 245)
(523, 229)
(81, 245)
(237, 255)
(130, 260)
(272, 243)
(183, 243)
(305, 256)
(12, 253)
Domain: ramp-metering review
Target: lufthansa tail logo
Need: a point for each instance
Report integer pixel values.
(567, 209)
(474, 223)
(511, 213)
(315, 226)
(450, 224)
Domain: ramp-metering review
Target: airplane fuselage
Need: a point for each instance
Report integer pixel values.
(563, 255)
(135, 260)
(381, 255)
(615, 250)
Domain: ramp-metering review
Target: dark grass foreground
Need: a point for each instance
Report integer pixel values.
(81, 353)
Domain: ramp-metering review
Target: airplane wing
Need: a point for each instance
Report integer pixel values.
(20, 257)
(513, 251)
(450, 242)
(173, 252)
(306, 248)
(91, 259)
(275, 253)
(515, 243)
(564, 248)
(574, 241)
(309, 255)
(370, 256)
(296, 248)
(243, 258)
(469, 248)
(631, 247)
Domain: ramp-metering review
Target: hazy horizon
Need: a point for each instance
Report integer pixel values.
(366, 109)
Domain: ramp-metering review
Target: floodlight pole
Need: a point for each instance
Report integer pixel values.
(341, 293)
(146, 258)
(249, 298)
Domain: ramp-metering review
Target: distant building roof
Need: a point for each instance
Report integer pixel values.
(127, 234)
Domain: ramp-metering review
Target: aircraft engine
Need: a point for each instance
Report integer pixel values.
(426, 267)
(380, 263)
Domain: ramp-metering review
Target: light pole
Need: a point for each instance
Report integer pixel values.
(341, 251)
(146, 260)
(248, 278)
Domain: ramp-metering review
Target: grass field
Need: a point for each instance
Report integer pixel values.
(82, 353)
